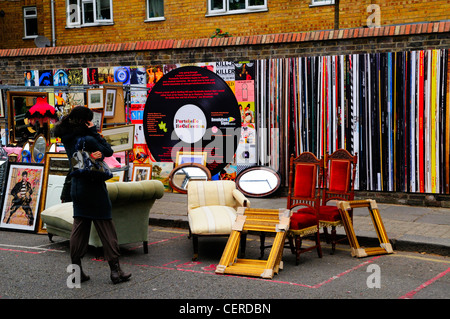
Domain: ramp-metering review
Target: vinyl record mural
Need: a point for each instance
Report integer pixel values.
(192, 109)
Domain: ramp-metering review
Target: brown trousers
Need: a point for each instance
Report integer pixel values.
(79, 238)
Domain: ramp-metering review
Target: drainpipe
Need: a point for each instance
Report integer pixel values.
(53, 23)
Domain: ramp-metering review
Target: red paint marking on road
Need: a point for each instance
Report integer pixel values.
(175, 261)
(190, 264)
(424, 285)
(24, 251)
(157, 242)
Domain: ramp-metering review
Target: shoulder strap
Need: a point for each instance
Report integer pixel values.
(80, 144)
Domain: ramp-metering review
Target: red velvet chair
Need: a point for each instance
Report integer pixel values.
(304, 173)
(338, 175)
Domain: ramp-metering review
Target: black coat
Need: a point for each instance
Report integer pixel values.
(90, 197)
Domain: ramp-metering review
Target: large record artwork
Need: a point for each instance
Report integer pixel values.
(191, 109)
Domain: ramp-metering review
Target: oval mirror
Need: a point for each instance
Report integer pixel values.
(39, 148)
(258, 181)
(184, 173)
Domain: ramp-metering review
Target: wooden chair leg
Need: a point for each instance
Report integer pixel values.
(298, 247)
(195, 245)
(327, 236)
(145, 245)
(333, 239)
(319, 248)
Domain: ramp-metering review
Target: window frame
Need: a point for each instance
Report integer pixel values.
(225, 8)
(80, 17)
(29, 17)
(318, 3)
(148, 18)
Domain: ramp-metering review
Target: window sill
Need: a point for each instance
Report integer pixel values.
(30, 37)
(155, 19)
(89, 25)
(215, 14)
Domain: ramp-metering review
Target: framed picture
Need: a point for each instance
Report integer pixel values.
(20, 129)
(2, 108)
(161, 171)
(141, 172)
(385, 246)
(20, 206)
(121, 138)
(191, 157)
(98, 119)
(118, 176)
(110, 102)
(95, 98)
(55, 171)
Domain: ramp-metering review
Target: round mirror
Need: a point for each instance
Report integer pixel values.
(39, 148)
(258, 181)
(184, 173)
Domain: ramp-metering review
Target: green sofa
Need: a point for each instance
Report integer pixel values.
(131, 204)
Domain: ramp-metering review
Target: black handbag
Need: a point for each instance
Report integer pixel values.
(83, 165)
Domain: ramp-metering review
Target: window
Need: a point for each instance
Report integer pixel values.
(30, 22)
(89, 12)
(218, 7)
(155, 10)
(321, 2)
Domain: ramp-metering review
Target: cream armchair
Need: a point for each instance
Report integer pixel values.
(212, 209)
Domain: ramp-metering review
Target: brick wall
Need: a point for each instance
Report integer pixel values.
(358, 40)
(187, 20)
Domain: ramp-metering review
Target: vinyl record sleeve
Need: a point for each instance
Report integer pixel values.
(192, 109)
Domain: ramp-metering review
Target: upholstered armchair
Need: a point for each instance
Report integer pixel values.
(212, 209)
(131, 204)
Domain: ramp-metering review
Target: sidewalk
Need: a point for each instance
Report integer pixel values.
(410, 228)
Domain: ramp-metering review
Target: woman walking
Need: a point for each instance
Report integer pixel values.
(90, 197)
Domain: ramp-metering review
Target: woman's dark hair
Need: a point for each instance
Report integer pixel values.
(76, 120)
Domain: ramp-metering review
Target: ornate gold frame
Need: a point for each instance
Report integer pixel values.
(357, 251)
(256, 219)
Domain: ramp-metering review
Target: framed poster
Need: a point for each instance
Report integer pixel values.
(141, 172)
(2, 108)
(110, 102)
(191, 157)
(121, 138)
(22, 195)
(98, 119)
(95, 98)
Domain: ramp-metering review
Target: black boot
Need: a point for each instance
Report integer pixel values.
(83, 276)
(117, 275)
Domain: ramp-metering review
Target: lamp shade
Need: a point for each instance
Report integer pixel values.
(41, 112)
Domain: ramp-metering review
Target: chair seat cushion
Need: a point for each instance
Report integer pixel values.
(303, 218)
(329, 213)
(59, 216)
(211, 220)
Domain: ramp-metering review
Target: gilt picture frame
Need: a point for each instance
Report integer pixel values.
(21, 201)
